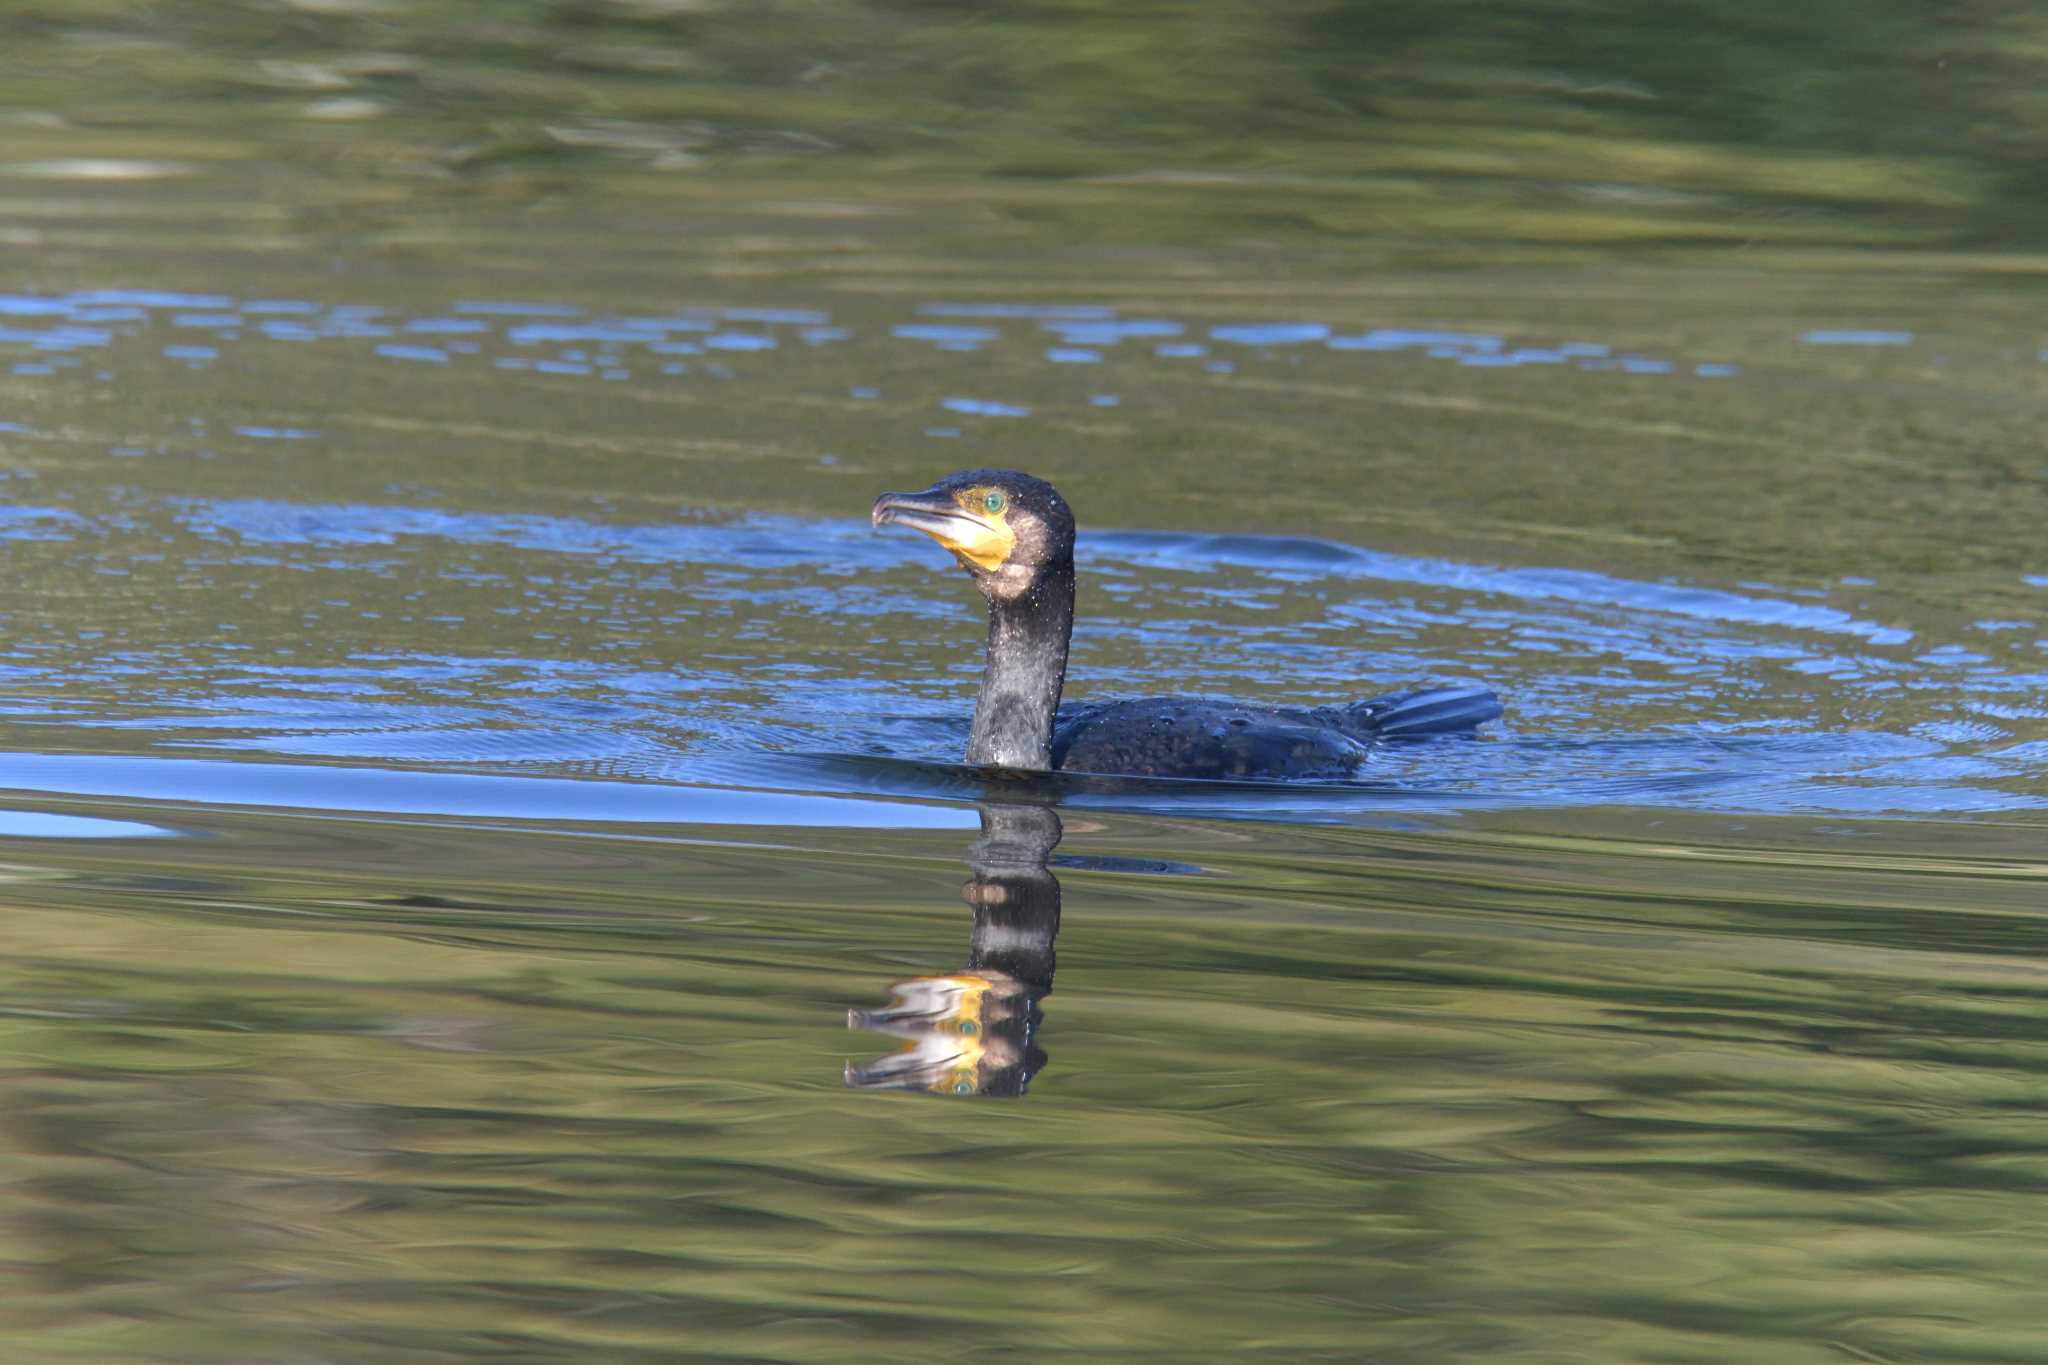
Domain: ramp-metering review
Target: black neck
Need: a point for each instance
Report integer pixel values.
(1027, 664)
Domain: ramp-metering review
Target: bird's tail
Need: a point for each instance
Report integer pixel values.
(1426, 712)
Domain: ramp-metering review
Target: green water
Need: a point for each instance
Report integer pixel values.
(465, 757)
(341, 1090)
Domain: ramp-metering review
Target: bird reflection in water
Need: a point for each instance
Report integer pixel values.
(975, 1031)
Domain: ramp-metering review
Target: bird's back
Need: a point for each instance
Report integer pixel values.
(1214, 738)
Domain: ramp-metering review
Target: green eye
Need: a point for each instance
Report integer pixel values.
(994, 502)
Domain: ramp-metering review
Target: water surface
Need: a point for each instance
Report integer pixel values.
(395, 1090)
(448, 618)
(465, 760)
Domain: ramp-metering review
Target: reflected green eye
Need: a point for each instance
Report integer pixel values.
(994, 502)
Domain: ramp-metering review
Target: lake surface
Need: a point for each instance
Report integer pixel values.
(487, 871)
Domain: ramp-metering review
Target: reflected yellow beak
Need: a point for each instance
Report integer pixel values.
(981, 540)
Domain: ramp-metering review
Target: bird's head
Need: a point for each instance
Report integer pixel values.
(1006, 528)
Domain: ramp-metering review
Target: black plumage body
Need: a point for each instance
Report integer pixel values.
(1218, 738)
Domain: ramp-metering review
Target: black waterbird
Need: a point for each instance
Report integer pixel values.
(1014, 534)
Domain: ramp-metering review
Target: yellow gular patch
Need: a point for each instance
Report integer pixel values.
(989, 541)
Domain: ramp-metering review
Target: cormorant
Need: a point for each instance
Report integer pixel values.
(1014, 534)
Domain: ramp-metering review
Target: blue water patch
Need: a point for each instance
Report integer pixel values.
(152, 298)
(24, 305)
(1852, 337)
(36, 824)
(982, 407)
(1072, 355)
(1109, 333)
(1951, 656)
(943, 333)
(432, 355)
(1269, 333)
(1407, 339)
(265, 521)
(279, 433)
(385, 791)
(673, 322)
(447, 326)
(37, 523)
(554, 333)
(61, 338)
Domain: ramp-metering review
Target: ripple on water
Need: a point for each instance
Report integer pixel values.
(707, 603)
(79, 321)
(1675, 664)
